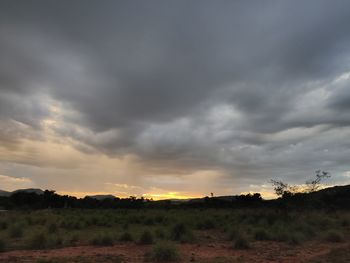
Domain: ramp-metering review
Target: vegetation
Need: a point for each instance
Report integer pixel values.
(165, 252)
(62, 228)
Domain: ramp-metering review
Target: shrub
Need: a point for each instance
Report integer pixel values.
(2, 245)
(334, 236)
(38, 241)
(178, 231)
(261, 234)
(146, 238)
(102, 240)
(3, 225)
(160, 233)
(15, 231)
(165, 252)
(242, 242)
(52, 228)
(206, 224)
(296, 238)
(181, 233)
(233, 234)
(125, 237)
(54, 241)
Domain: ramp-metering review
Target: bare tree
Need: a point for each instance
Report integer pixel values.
(314, 184)
(281, 188)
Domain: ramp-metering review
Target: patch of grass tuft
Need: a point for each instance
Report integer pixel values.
(242, 242)
(102, 240)
(2, 245)
(15, 231)
(261, 235)
(126, 237)
(146, 238)
(165, 252)
(38, 241)
(334, 236)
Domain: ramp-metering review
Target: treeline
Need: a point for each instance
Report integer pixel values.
(50, 199)
(330, 198)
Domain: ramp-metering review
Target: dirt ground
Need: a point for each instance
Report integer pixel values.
(208, 253)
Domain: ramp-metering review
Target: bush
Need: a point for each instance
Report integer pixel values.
(125, 237)
(233, 234)
(38, 241)
(165, 252)
(261, 235)
(181, 233)
(3, 225)
(102, 240)
(54, 241)
(160, 233)
(178, 231)
(296, 239)
(334, 236)
(146, 238)
(52, 228)
(2, 245)
(15, 231)
(206, 224)
(242, 242)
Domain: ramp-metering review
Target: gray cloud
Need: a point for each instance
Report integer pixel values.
(249, 88)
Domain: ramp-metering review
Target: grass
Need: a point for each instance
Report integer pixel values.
(61, 228)
(334, 236)
(38, 241)
(126, 237)
(261, 235)
(15, 231)
(102, 240)
(2, 245)
(242, 242)
(146, 238)
(165, 252)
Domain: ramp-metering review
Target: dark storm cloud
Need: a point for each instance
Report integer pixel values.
(204, 83)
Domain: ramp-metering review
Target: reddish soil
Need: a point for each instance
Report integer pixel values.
(208, 253)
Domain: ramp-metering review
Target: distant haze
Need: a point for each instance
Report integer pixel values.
(173, 99)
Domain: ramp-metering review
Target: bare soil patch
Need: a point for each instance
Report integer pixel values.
(216, 252)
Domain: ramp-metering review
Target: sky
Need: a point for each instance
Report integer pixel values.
(173, 99)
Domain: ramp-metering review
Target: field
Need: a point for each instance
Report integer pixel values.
(180, 235)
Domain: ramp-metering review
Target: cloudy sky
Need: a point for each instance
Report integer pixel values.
(173, 98)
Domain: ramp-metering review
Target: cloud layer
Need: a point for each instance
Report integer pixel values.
(173, 93)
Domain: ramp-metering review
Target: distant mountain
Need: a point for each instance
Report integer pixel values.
(101, 197)
(28, 190)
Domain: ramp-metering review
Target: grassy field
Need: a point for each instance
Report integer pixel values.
(164, 230)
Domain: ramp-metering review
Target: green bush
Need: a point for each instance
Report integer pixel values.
(52, 228)
(165, 252)
(3, 225)
(242, 242)
(296, 238)
(54, 241)
(233, 234)
(2, 245)
(334, 236)
(102, 240)
(261, 235)
(125, 237)
(15, 231)
(146, 238)
(38, 241)
(181, 233)
(206, 224)
(160, 233)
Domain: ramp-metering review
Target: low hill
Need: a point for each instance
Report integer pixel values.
(28, 190)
